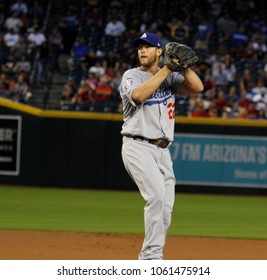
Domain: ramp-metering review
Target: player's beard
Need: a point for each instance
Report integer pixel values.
(150, 62)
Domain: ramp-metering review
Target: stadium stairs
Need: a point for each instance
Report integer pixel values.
(47, 95)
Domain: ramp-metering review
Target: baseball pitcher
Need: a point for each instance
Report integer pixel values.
(148, 98)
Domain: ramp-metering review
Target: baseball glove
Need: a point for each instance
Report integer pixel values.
(186, 56)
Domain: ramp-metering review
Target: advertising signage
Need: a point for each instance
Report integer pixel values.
(10, 136)
(220, 160)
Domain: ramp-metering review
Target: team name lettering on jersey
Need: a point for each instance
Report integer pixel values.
(160, 96)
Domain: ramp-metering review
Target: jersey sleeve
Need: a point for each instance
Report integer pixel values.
(129, 83)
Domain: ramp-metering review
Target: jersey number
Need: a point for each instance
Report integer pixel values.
(171, 111)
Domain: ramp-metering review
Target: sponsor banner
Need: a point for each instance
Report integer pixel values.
(10, 136)
(220, 160)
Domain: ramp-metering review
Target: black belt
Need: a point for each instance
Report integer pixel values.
(161, 143)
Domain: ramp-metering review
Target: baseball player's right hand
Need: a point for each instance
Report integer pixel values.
(185, 55)
(171, 63)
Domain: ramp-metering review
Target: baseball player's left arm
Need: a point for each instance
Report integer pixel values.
(192, 82)
(180, 58)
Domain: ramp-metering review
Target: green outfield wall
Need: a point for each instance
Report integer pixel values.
(83, 150)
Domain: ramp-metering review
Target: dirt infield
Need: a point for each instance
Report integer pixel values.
(34, 245)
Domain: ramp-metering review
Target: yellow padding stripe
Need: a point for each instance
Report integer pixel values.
(57, 113)
(118, 117)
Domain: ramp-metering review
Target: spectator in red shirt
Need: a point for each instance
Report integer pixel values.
(103, 89)
(85, 94)
(244, 101)
(199, 110)
(221, 101)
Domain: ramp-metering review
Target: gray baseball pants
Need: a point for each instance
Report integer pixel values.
(151, 169)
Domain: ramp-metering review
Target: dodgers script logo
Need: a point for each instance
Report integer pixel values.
(160, 96)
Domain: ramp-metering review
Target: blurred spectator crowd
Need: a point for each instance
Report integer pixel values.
(22, 47)
(230, 37)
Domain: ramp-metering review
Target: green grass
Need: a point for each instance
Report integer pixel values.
(33, 208)
(220, 216)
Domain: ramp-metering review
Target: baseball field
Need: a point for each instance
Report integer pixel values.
(50, 223)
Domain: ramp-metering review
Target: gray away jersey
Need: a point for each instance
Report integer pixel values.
(154, 118)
